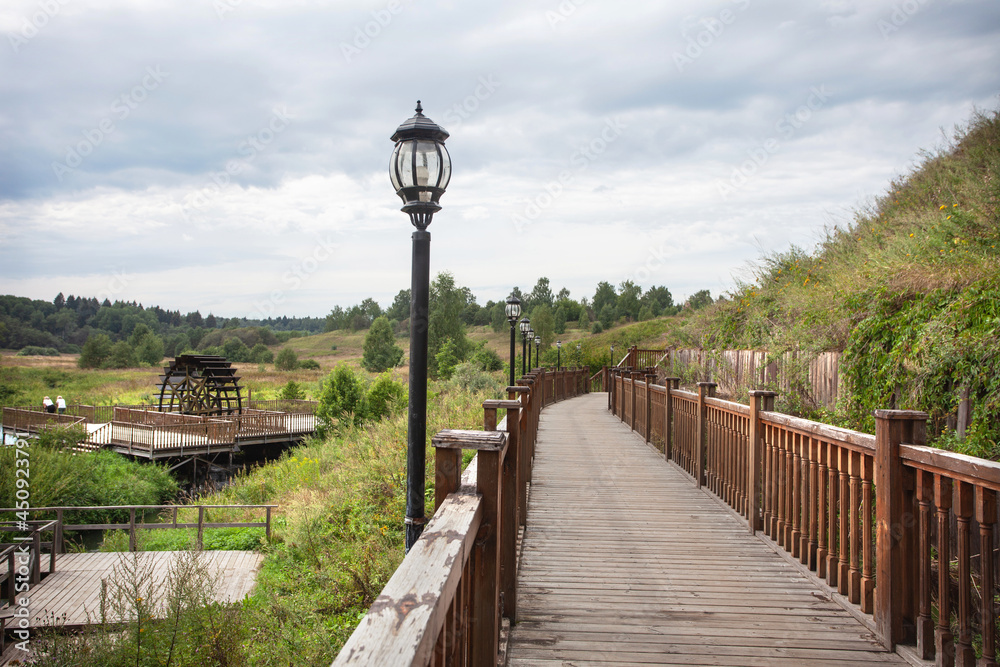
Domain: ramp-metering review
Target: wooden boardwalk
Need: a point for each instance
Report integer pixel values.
(625, 562)
(72, 594)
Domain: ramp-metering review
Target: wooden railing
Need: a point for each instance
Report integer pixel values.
(21, 562)
(446, 602)
(26, 420)
(136, 521)
(854, 508)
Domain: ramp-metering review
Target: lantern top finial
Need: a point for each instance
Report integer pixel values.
(419, 126)
(419, 109)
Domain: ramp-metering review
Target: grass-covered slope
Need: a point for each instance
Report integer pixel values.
(909, 291)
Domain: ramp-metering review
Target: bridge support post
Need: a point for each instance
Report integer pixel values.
(670, 384)
(760, 401)
(705, 390)
(896, 515)
(524, 451)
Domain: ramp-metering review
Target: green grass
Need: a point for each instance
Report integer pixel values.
(909, 292)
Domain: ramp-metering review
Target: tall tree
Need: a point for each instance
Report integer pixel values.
(400, 308)
(380, 350)
(445, 319)
(628, 299)
(604, 296)
(541, 294)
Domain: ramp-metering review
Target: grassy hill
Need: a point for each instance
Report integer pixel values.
(909, 291)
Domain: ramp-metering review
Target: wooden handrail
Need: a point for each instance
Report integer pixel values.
(819, 492)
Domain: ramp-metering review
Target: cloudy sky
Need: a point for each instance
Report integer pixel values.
(232, 155)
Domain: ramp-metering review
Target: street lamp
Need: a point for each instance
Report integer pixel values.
(525, 328)
(558, 355)
(579, 355)
(538, 342)
(531, 337)
(513, 311)
(420, 169)
(612, 362)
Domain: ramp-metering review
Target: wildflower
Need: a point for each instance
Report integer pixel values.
(911, 236)
(949, 217)
(941, 208)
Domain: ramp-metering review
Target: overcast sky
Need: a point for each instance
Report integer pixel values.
(232, 156)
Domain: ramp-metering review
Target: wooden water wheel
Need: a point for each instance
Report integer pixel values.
(200, 384)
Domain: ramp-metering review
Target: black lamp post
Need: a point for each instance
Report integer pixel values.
(420, 169)
(531, 337)
(538, 342)
(558, 355)
(513, 311)
(612, 361)
(525, 328)
(579, 355)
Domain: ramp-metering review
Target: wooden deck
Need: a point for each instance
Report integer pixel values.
(625, 562)
(73, 592)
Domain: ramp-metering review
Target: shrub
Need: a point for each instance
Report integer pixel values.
(309, 365)
(96, 351)
(486, 359)
(122, 356)
(36, 351)
(469, 377)
(286, 360)
(292, 392)
(380, 350)
(597, 327)
(341, 400)
(259, 354)
(384, 398)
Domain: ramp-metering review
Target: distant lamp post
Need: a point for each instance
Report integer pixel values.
(612, 361)
(531, 337)
(525, 328)
(579, 355)
(513, 311)
(420, 169)
(538, 343)
(558, 355)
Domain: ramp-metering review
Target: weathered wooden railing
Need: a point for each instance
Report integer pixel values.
(854, 508)
(446, 602)
(26, 420)
(167, 514)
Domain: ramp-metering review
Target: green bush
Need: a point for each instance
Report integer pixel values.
(309, 365)
(447, 357)
(380, 350)
(259, 354)
(36, 351)
(96, 351)
(384, 397)
(291, 392)
(486, 359)
(341, 400)
(286, 360)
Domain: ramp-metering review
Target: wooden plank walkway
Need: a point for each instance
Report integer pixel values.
(625, 562)
(73, 592)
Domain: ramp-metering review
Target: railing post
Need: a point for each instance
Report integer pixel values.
(669, 384)
(520, 427)
(895, 518)
(760, 401)
(610, 386)
(508, 504)
(705, 389)
(633, 376)
(58, 541)
(131, 529)
(486, 602)
(201, 526)
(650, 377)
(267, 524)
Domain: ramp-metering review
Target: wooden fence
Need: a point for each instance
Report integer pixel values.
(445, 603)
(854, 508)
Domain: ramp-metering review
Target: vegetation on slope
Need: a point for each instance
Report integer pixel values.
(909, 292)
